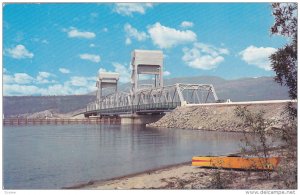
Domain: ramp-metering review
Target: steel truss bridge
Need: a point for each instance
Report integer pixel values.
(153, 100)
(148, 99)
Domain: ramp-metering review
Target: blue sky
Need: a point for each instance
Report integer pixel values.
(58, 49)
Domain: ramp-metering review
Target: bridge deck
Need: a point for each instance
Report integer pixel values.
(139, 109)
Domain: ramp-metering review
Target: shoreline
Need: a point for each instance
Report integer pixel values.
(172, 177)
(93, 182)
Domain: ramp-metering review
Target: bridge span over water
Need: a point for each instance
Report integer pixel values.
(145, 103)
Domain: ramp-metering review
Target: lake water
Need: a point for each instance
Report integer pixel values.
(52, 157)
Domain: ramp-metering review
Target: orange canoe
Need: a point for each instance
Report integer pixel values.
(236, 162)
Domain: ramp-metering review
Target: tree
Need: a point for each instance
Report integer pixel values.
(284, 63)
(284, 60)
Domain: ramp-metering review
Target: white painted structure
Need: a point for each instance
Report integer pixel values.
(149, 62)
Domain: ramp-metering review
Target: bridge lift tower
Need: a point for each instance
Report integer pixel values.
(149, 62)
(106, 80)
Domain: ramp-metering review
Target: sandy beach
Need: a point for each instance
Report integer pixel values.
(185, 176)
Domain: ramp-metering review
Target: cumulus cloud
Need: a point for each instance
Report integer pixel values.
(166, 73)
(81, 81)
(58, 89)
(23, 78)
(45, 74)
(102, 70)
(258, 56)
(75, 33)
(186, 24)
(19, 52)
(166, 37)
(127, 9)
(8, 79)
(23, 84)
(203, 56)
(90, 57)
(16, 89)
(42, 78)
(64, 70)
(125, 72)
(75, 85)
(132, 32)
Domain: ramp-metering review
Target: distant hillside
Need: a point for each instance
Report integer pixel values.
(15, 105)
(245, 89)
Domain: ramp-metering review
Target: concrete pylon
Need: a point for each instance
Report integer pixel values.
(149, 62)
(106, 80)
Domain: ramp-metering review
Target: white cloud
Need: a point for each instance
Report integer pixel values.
(18, 85)
(19, 52)
(125, 73)
(134, 33)
(45, 74)
(102, 70)
(258, 56)
(166, 73)
(166, 37)
(128, 41)
(64, 70)
(131, 32)
(58, 89)
(7, 79)
(186, 24)
(78, 81)
(82, 81)
(127, 9)
(75, 33)
(90, 57)
(16, 89)
(23, 78)
(42, 78)
(92, 45)
(76, 85)
(203, 56)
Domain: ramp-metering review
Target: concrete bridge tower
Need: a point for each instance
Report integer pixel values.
(146, 62)
(106, 80)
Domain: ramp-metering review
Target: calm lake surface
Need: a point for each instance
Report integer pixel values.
(56, 156)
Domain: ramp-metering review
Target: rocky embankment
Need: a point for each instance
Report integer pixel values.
(218, 118)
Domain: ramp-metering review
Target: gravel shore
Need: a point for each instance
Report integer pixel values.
(217, 118)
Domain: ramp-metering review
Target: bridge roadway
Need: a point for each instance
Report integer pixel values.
(153, 108)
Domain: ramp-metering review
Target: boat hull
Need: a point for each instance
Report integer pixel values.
(236, 162)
